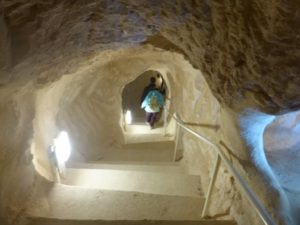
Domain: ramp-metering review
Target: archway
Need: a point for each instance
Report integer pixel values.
(87, 104)
(132, 92)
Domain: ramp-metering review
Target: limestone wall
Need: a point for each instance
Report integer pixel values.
(52, 53)
(88, 103)
(247, 51)
(200, 111)
(16, 169)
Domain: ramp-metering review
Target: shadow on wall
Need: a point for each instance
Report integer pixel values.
(253, 125)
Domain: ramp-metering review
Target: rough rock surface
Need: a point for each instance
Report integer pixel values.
(247, 51)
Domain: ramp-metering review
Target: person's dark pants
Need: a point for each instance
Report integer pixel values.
(151, 118)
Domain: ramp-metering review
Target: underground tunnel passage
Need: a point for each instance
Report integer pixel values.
(81, 104)
(83, 114)
(64, 66)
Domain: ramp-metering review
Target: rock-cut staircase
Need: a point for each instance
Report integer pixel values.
(120, 191)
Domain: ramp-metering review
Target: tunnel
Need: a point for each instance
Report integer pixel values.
(229, 129)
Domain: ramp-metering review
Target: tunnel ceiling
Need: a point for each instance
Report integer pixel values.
(249, 51)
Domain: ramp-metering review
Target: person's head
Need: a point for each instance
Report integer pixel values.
(152, 80)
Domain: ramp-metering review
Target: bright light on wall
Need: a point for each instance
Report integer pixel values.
(62, 147)
(128, 117)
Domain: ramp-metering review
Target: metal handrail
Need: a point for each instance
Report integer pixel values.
(259, 208)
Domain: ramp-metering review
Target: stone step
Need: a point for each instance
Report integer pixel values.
(72, 203)
(146, 138)
(139, 181)
(47, 221)
(140, 152)
(144, 145)
(165, 167)
(143, 128)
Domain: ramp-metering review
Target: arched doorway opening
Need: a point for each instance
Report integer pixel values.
(132, 93)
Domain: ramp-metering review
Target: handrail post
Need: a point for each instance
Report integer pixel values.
(177, 140)
(165, 113)
(211, 185)
(124, 122)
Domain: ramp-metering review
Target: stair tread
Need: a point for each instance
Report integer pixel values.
(170, 167)
(69, 202)
(147, 138)
(153, 145)
(143, 128)
(47, 221)
(139, 153)
(141, 132)
(142, 181)
(125, 163)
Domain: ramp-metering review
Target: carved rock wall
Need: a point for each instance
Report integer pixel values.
(247, 51)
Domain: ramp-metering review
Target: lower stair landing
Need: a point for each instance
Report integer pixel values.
(45, 221)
